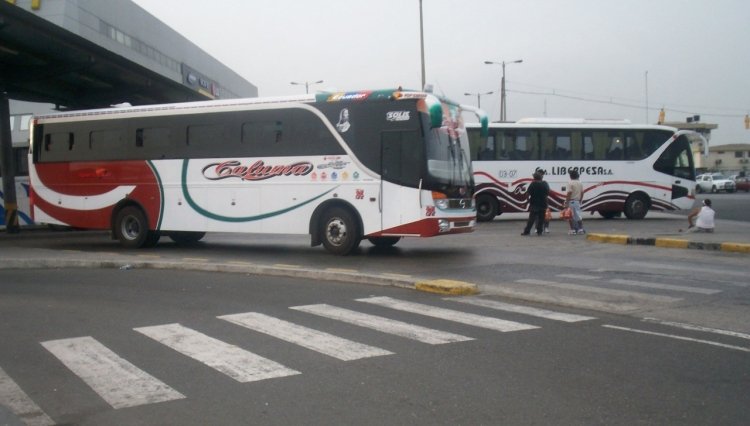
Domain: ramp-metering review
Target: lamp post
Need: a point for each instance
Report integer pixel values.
(502, 84)
(307, 84)
(421, 42)
(479, 96)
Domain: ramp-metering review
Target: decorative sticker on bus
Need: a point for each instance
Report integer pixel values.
(349, 96)
(255, 172)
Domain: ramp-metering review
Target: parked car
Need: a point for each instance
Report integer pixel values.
(742, 183)
(714, 182)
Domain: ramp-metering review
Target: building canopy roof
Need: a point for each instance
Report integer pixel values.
(42, 62)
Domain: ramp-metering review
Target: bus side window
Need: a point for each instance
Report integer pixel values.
(487, 152)
(616, 146)
(563, 146)
(633, 143)
(548, 145)
(156, 142)
(57, 146)
(588, 147)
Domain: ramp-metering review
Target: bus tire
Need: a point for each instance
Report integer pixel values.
(636, 206)
(131, 228)
(384, 241)
(339, 231)
(487, 208)
(609, 214)
(186, 237)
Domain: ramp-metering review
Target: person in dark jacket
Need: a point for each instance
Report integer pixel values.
(538, 191)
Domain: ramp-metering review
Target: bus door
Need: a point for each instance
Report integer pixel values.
(677, 162)
(401, 164)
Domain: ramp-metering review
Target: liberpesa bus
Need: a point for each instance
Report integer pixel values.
(340, 167)
(624, 168)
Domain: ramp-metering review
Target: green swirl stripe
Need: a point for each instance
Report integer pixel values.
(222, 218)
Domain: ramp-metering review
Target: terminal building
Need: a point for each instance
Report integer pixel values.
(58, 55)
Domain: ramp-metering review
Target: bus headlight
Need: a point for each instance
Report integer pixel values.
(442, 204)
(444, 225)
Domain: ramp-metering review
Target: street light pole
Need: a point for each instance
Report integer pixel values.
(502, 85)
(307, 84)
(479, 97)
(421, 42)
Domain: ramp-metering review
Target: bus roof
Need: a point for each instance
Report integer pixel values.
(322, 97)
(573, 123)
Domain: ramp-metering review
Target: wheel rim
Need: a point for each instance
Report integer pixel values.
(336, 231)
(131, 228)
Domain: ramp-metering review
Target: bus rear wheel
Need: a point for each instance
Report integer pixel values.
(487, 208)
(131, 229)
(636, 206)
(339, 230)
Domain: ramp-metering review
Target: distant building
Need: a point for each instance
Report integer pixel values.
(729, 159)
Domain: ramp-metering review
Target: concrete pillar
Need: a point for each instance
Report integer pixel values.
(7, 168)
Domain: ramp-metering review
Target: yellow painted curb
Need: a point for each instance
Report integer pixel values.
(608, 238)
(447, 287)
(671, 243)
(735, 247)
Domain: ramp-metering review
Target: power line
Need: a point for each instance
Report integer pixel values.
(612, 101)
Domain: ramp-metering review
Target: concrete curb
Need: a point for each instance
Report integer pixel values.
(448, 287)
(669, 243)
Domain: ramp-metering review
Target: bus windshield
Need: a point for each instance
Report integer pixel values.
(448, 160)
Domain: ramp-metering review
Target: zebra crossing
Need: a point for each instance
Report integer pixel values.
(122, 384)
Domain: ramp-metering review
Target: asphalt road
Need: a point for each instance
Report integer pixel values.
(730, 206)
(598, 369)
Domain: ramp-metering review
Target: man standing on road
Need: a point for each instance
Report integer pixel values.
(573, 200)
(537, 192)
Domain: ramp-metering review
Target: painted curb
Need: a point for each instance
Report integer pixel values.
(451, 287)
(608, 238)
(669, 243)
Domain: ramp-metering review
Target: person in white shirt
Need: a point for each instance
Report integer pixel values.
(701, 219)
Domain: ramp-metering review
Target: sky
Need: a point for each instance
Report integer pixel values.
(623, 59)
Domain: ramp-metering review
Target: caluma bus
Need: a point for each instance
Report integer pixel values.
(624, 168)
(341, 167)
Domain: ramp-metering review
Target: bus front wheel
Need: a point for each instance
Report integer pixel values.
(131, 229)
(636, 206)
(185, 237)
(384, 241)
(487, 208)
(340, 233)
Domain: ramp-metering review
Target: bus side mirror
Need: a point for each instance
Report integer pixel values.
(484, 120)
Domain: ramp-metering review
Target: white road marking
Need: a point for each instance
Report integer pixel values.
(384, 325)
(699, 328)
(670, 287)
(231, 360)
(116, 380)
(328, 344)
(491, 323)
(599, 290)
(526, 310)
(580, 277)
(671, 336)
(684, 268)
(13, 397)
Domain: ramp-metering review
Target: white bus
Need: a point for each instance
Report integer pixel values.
(340, 167)
(624, 168)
